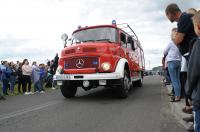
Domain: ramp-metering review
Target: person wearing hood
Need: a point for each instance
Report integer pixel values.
(36, 79)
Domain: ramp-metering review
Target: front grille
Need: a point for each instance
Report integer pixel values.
(81, 63)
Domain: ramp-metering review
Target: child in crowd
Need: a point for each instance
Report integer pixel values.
(36, 79)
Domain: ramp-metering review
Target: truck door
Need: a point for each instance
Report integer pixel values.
(127, 46)
(123, 43)
(133, 56)
(130, 49)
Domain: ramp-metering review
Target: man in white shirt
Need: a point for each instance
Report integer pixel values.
(173, 57)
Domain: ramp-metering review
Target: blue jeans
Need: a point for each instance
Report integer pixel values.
(1, 86)
(5, 86)
(196, 119)
(174, 68)
(12, 83)
(38, 86)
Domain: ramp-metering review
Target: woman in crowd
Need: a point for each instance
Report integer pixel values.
(19, 77)
(26, 74)
(13, 76)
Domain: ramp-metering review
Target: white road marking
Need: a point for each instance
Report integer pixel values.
(27, 110)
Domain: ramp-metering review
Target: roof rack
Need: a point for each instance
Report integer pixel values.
(128, 30)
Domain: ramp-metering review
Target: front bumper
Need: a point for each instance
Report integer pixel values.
(96, 76)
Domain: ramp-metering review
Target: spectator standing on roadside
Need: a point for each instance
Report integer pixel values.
(36, 79)
(26, 73)
(19, 77)
(17, 64)
(174, 66)
(56, 62)
(185, 35)
(194, 74)
(42, 74)
(1, 84)
(184, 69)
(52, 67)
(5, 77)
(13, 76)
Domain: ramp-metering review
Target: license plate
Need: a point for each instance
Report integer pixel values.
(59, 83)
(102, 82)
(63, 77)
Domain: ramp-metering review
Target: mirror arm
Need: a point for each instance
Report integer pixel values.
(65, 43)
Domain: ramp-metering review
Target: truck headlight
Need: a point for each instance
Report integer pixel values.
(106, 66)
(59, 70)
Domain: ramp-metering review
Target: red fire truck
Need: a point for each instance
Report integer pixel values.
(103, 55)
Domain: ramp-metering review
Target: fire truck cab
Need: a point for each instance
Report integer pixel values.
(103, 55)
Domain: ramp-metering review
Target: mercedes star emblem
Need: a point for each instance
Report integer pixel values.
(79, 63)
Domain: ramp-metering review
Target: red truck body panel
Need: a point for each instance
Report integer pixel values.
(94, 54)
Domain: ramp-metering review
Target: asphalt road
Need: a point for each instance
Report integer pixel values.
(99, 110)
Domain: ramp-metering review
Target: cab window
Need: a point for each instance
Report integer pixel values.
(130, 43)
(135, 45)
(123, 39)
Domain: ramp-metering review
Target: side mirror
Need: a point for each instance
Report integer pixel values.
(64, 37)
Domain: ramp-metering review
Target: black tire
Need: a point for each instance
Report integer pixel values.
(125, 86)
(139, 83)
(68, 90)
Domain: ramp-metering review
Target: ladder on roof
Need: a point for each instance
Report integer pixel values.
(128, 29)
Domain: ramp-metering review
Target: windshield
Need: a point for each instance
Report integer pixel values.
(95, 34)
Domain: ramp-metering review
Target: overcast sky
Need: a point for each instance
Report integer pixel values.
(32, 28)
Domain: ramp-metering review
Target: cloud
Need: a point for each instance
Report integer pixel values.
(32, 28)
(17, 49)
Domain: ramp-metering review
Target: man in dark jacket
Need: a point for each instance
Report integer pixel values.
(194, 74)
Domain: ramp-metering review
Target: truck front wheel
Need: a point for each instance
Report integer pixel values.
(139, 83)
(125, 86)
(68, 90)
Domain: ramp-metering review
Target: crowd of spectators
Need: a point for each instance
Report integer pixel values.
(181, 62)
(19, 77)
